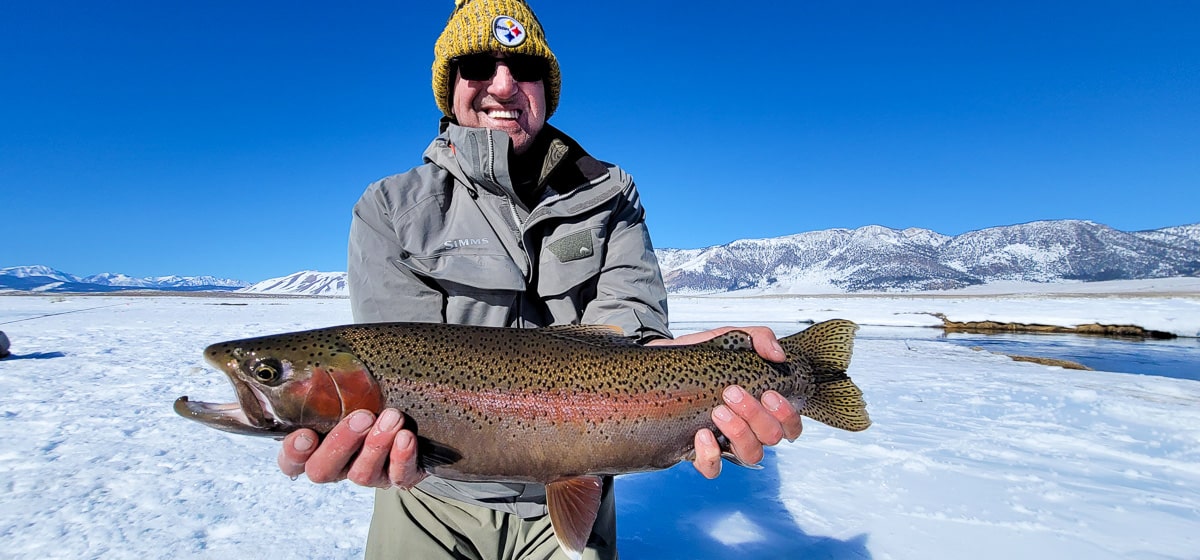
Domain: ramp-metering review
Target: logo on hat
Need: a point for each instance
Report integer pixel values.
(508, 31)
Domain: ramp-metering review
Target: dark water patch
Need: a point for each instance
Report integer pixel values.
(1177, 358)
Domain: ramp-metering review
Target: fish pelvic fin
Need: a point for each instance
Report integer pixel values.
(573, 504)
(836, 400)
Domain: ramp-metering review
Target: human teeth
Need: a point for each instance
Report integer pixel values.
(503, 114)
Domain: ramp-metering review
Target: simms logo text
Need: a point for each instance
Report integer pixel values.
(456, 243)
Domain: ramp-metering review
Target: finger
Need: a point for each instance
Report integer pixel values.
(297, 447)
(765, 427)
(328, 462)
(369, 468)
(402, 462)
(785, 413)
(708, 454)
(741, 438)
(766, 344)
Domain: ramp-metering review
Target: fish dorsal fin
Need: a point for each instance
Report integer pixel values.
(732, 340)
(604, 335)
(573, 504)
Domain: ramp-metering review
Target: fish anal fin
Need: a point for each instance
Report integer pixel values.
(728, 455)
(573, 504)
(732, 340)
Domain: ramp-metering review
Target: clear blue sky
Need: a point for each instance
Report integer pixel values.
(232, 138)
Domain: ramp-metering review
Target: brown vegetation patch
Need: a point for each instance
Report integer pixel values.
(1065, 364)
(1116, 331)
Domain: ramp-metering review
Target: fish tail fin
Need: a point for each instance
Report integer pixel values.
(836, 400)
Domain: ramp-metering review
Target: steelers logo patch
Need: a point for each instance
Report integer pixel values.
(508, 31)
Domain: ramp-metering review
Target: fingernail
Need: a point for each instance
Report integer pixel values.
(778, 348)
(734, 394)
(388, 420)
(404, 439)
(772, 401)
(361, 422)
(302, 443)
(723, 413)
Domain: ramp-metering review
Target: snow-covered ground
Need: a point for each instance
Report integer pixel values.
(972, 455)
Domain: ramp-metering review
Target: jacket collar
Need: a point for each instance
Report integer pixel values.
(478, 156)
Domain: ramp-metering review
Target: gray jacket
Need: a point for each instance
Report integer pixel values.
(449, 241)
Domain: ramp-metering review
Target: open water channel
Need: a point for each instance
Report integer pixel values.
(1177, 358)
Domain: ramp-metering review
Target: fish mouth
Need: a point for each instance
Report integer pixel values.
(252, 415)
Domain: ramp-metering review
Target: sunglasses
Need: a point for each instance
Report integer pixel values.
(523, 67)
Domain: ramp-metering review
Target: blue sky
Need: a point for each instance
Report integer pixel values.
(232, 138)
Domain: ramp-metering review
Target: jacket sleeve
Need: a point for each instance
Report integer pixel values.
(380, 288)
(630, 292)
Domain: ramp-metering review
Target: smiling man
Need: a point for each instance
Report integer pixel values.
(510, 223)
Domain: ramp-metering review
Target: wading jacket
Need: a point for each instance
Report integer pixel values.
(450, 241)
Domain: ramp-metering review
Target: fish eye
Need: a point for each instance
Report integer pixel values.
(268, 371)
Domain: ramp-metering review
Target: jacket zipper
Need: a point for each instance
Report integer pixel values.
(519, 231)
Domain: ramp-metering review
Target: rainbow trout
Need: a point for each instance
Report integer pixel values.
(560, 405)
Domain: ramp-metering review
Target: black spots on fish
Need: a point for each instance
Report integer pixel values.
(824, 346)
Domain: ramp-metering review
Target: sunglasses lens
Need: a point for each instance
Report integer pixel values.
(476, 68)
(524, 68)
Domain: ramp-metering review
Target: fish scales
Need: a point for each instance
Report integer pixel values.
(557, 405)
(566, 402)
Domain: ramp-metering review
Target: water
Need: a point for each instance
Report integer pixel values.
(1177, 358)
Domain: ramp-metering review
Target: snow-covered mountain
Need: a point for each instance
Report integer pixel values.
(867, 259)
(880, 259)
(306, 282)
(45, 279)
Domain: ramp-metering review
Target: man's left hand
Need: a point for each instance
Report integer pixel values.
(749, 424)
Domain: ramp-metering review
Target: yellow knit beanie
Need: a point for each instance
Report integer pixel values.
(485, 26)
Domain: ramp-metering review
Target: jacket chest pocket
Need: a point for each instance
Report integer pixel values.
(461, 271)
(570, 261)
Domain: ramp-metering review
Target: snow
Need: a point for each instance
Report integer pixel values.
(971, 455)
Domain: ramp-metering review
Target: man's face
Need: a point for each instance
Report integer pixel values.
(502, 103)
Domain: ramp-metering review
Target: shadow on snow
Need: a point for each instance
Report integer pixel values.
(34, 356)
(677, 513)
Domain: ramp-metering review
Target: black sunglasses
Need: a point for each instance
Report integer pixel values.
(523, 67)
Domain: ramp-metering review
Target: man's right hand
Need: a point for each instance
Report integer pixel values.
(367, 451)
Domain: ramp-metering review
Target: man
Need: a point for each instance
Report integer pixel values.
(509, 222)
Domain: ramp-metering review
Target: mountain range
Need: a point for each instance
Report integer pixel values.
(880, 259)
(866, 259)
(46, 279)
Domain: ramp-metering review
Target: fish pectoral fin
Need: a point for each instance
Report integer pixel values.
(574, 503)
(431, 454)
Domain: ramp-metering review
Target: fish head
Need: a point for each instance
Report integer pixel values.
(286, 382)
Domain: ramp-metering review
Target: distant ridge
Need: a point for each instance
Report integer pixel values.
(45, 279)
(306, 282)
(880, 259)
(866, 259)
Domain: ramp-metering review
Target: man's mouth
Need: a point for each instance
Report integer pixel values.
(504, 114)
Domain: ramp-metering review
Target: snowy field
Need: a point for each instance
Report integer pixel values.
(972, 455)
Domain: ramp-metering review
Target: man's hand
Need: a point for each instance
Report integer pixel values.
(749, 424)
(369, 452)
